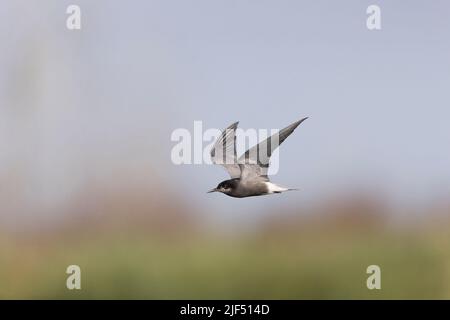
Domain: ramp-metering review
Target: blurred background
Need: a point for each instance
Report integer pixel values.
(86, 176)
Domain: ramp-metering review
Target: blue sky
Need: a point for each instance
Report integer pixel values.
(112, 93)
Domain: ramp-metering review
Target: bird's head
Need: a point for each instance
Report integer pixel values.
(226, 187)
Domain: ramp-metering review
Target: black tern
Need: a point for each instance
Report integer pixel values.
(249, 172)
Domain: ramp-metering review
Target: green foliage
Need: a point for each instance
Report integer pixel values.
(319, 265)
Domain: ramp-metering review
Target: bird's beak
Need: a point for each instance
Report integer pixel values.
(213, 190)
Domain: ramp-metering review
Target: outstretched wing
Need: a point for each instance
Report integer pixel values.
(224, 151)
(256, 160)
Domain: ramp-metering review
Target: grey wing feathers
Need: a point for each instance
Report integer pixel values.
(252, 171)
(224, 151)
(286, 132)
(256, 160)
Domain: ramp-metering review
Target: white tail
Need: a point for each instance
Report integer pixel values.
(273, 188)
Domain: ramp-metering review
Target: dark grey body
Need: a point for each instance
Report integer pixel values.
(248, 188)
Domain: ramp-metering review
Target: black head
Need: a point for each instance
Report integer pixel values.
(226, 186)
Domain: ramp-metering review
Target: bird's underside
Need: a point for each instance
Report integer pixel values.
(248, 172)
(254, 187)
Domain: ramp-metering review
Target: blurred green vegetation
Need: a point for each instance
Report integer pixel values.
(309, 262)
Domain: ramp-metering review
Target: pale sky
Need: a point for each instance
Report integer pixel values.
(113, 92)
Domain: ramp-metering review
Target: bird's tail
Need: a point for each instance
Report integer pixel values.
(274, 188)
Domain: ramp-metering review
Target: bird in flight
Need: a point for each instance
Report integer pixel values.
(249, 171)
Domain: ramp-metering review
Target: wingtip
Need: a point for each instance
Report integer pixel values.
(234, 125)
(297, 123)
(305, 118)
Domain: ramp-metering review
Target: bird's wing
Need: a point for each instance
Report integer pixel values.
(224, 151)
(252, 171)
(256, 160)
